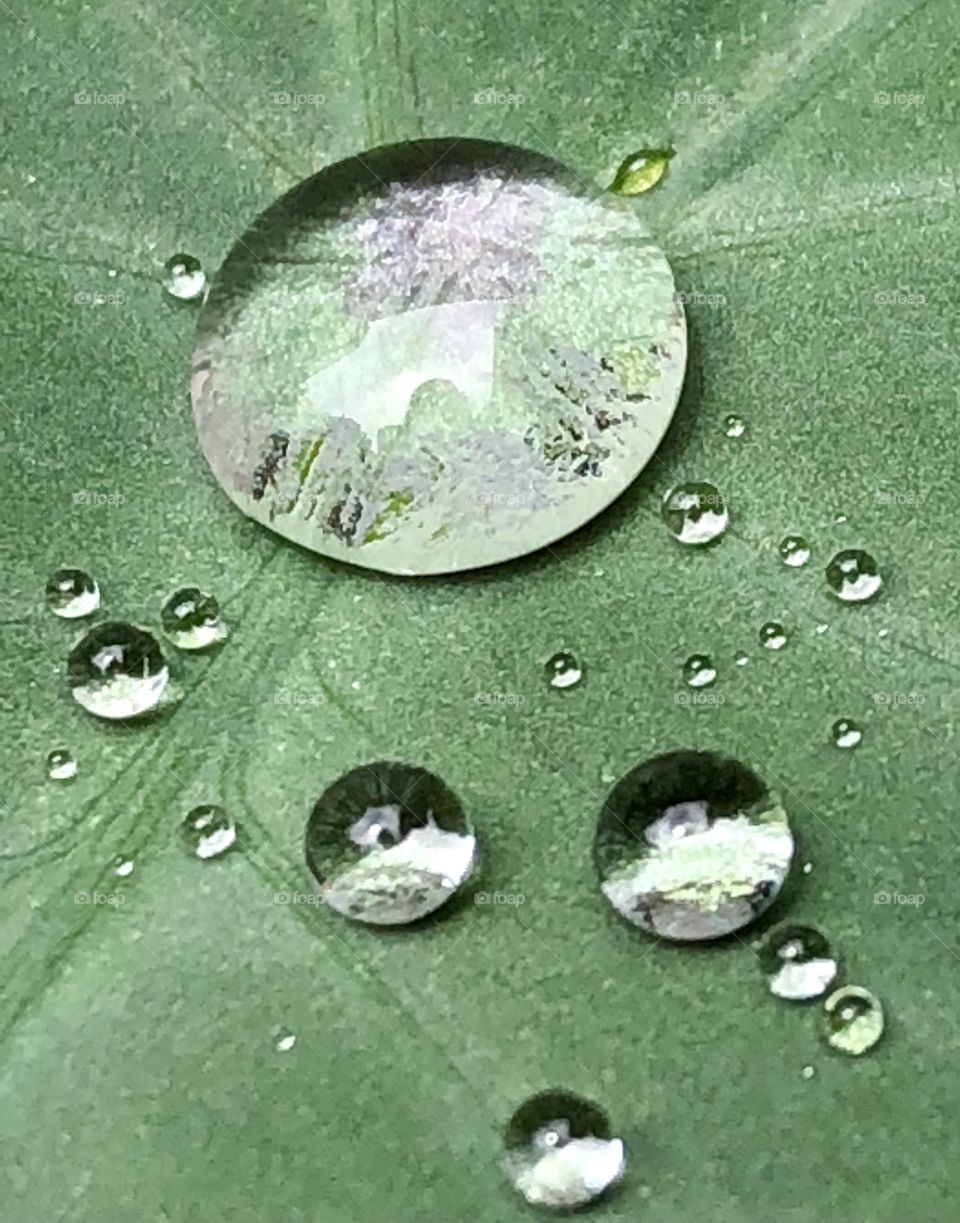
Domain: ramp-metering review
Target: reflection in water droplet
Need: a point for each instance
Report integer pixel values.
(807, 867)
(734, 426)
(699, 671)
(284, 1041)
(794, 551)
(821, 629)
(840, 519)
(846, 733)
(692, 846)
(123, 866)
(191, 619)
(209, 831)
(117, 671)
(563, 671)
(72, 593)
(61, 765)
(641, 171)
(184, 277)
(433, 357)
(773, 635)
(852, 1021)
(797, 962)
(694, 513)
(389, 843)
(853, 576)
(741, 660)
(559, 1151)
(807, 1072)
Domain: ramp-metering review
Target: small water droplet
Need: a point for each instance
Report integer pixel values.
(734, 426)
(694, 513)
(797, 962)
(284, 1041)
(741, 660)
(794, 551)
(852, 1021)
(72, 593)
(840, 519)
(61, 765)
(123, 866)
(388, 844)
(821, 629)
(117, 671)
(807, 867)
(883, 632)
(773, 635)
(807, 1072)
(208, 831)
(559, 1151)
(184, 278)
(563, 671)
(641, 171)
(699, 671)
(191, 619)
(846, 733)
(853, 576)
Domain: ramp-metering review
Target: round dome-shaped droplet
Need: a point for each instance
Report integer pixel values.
(853, 576)
(184, 278)
(852, 1021)
(694, 513)
(208, 831)
(117, 671)
(560, 1152)
(773, 635)
(699, 671)
(846, 733)
(797, 962)
(388, 844)
(71, 593)
(437, 356)
(734, 426)
(191, 619)
(61, 766)
(794, 551)
(692, 846)
(563, 670)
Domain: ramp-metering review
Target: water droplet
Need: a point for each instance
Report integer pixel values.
(209, 831)
(846, 733)
(117, 671)
(72, 593)
(773, 635)
(741, 660)
(853, 576)
(184, 277)
(883, 632)
(694, 513)
(387, 370)
(852, 1020)
(734, 426)
(641, 171)
(692, 846)
(563, 671)
(807, 1072)
(388, 844)
(123, 866)
(807, 867)
(559, 1151)
(191, 619)
(821, 629)
(794, 551)
(61, 765)
(699, 671)
(840, 519)
(284, 1041)
(797, 962)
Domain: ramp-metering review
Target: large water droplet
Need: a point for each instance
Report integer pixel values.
(563, 670)
(437, 356)
(389, 843)
(846, 733)
(734, 426)
(208, 831)
(559, 1151)
(692, 846)
(794, 551)
(61, 765)
(117, 671)
(641, 171)
(853, 576)
(699, 671)
(852, 1020)
(184, 277)
(72, 593)
(694, 513)
(798, 962)
(191, 619)
(773, 635)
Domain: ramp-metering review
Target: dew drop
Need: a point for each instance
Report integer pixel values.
(563, 671)
(208, 831)
(741, 660)
(691, 846)
(117, 671)
(641, 171)
(773, 635)
(840, 519)
(797, 962)
(559, 1151)
(123, 866)
(694, 513)
(191, 619)
(807, 867)
(184, 278)
(699, 671)
(734, 426)
(853, 576)
(846, 733)
(388, 844)
(794, 551)
(852, 1020)
(71, 593)
(807, 1072)
(284, 1041)
(61, 766)
(821, 629)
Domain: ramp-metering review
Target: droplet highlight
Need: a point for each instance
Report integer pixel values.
(72, 593)
(853, 576)
(184, 278)
(797, 962)
(734, 426)
(61, 766)
(846, 733)
(794, 551)
(641, 171)
(208, 831)
(117, 671)
(699, 671)
(773, 635)
(191, 619)
(852, 1021)
(563, 670)
(694, 513)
